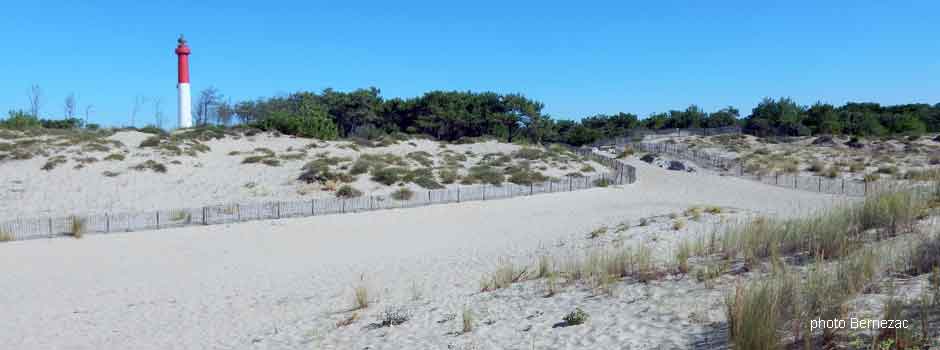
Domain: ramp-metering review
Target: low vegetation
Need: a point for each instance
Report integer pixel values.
(152, 165)
(347, 191)
(403, 194)
(77, 227)
(576, 317)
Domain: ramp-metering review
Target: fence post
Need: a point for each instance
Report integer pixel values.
(820, 184)
(843, 185)
(107, 223)
(50, 227)
(205, 212)
(158, 219)
(569, 184)
(484, 191)
(238, 212)
(458, 193)
(795, 178)
(313, 204)
(429, 196)
(342, 201)
(530, 189)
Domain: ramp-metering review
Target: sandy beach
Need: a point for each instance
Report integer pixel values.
(285, 284)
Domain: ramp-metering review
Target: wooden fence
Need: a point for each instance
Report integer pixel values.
(32, 228)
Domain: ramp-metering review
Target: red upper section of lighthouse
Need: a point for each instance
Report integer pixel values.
(182, 53)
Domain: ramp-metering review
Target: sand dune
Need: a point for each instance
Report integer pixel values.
(283, 284)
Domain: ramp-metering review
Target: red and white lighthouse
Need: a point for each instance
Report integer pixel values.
(185, 101)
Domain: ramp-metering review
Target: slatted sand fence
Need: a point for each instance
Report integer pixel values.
(104, 223)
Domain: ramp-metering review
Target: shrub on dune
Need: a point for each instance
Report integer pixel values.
(403, 194)
(347, 191)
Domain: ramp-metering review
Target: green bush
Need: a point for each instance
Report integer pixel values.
(403, 194)
(576, 317)
(19, 120)
(526, 177)
(53, 162)
(152, 141)
(361, 166)
(422, 157)
(347, 191)
(388, 175)
(151, 165)
(311, 121)
(484, 174)
(528, 153)
(448, 176)
(150, 129)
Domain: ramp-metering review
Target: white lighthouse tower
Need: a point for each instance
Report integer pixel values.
(185, 100)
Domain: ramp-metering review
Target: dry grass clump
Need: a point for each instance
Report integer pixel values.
(505, 275)
(466, 317)
(597, 268)
(683, 253)
(760, 313)
(925, 256)
(891, 212)
(5, 236)
(77, 228)
(361, 297)
(831, 234)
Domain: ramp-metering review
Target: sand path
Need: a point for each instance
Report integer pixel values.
(264, 284)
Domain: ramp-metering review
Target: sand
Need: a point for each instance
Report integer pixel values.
(212, 178)
(284, 284)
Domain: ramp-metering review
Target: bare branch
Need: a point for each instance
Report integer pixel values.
(35, 100)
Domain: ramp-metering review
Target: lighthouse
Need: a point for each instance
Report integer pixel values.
(182, 87)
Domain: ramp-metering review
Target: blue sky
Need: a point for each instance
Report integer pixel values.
(579, 58)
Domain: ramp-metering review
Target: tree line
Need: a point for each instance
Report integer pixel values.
(455, 115)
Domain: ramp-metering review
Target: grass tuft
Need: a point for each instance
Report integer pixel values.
(77, 228)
